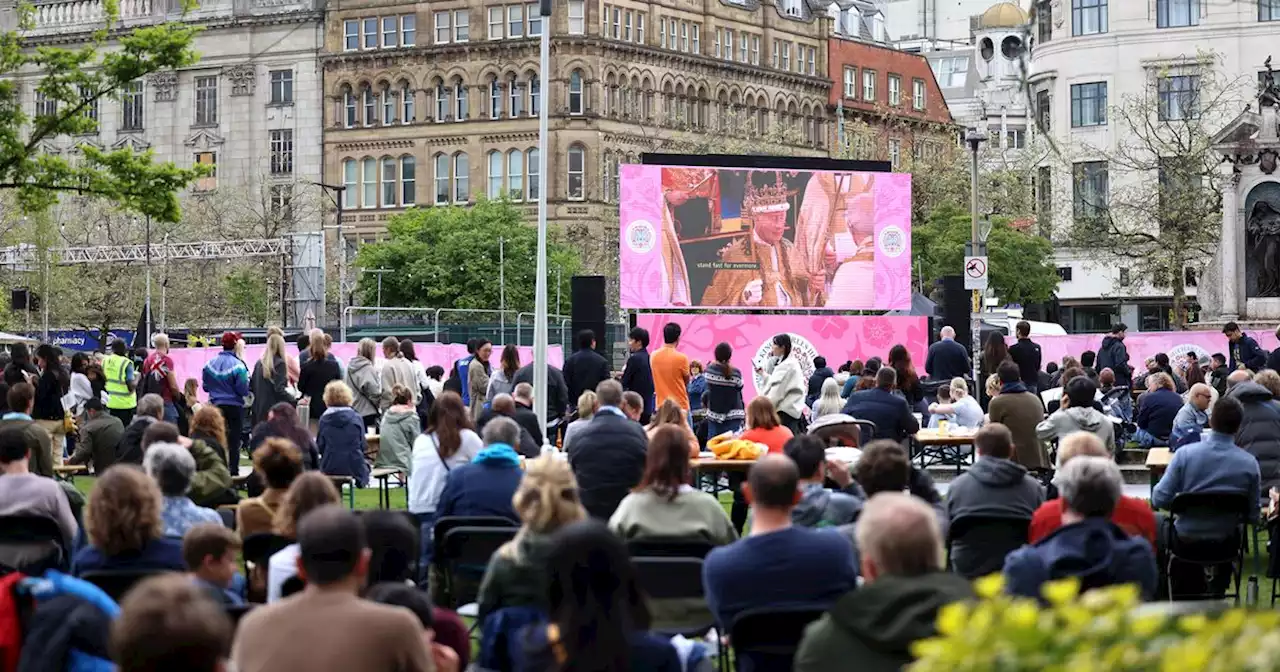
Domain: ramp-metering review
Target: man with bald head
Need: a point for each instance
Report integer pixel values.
(1192, 417)
(777, 563)
(1131, 514)
(947, 359)
(904, 586)
(1238, 376)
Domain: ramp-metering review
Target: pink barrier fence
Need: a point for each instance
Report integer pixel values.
(1142, 345)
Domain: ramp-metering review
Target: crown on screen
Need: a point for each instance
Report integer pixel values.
(768, 198)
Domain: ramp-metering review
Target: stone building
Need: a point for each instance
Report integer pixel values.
(437, 105)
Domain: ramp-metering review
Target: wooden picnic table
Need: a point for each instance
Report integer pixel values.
(68, 472)
(383, 476)
(933, 437)
(1157, 462)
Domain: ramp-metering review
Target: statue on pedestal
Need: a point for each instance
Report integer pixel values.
(1268, 92)
(1263, 230)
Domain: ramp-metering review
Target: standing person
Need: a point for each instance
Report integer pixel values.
(670, 370)
(270, 379)
(366, 383)
(120, 382)
(458, 373)
(1020, 411)
(1026, 354)
(637, 374)
(947, 359)
(226, 380)
(557, 396)
(503, 380)
(396, 370)
(52, 384)
(821, 372)
(994, 352)
(1245, 353)
(697, 385)
(21, 398)
(478, 373)
(164, 381)
(785, 384)
(81, 386)
(1115, 356)
(20, 369)
(419, 373)
(585, 368)
(317, 372)
(450, 441)
(723, 397)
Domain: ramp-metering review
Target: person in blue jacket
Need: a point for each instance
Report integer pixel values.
(340, 436)
(487, 485)
(1245, 353)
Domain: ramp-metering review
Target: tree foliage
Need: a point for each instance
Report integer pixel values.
(73, 82)
(449, 258)
(1021, 269)
(249, 295)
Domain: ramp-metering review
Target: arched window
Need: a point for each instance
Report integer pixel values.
(515, 174)
(606, 176)
(495, 175)
(577, 173)
(349, 194)
(442, 102)
(408, 181)
(515, 94)
(460, 100)
(668, 100)
(610, 96)
(495, 98)
(348, 107)
(388, 182)
(461, 178)
(390, 103)
(407, 95)
(369, 184)
(370, 106)
(442, 179)
(577, 100)
(534, 185)
(535, 94)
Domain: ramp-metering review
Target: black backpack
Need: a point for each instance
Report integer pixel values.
(151, 383)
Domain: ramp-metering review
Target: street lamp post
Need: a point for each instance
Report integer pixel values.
(975, 137)
(540, 289)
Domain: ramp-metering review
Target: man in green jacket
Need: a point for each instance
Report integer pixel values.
(211, 484)
(872, 627)
(99, 437)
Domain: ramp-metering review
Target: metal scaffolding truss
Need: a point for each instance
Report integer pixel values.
(25, 255)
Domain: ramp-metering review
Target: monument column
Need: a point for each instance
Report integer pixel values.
(1230, 254)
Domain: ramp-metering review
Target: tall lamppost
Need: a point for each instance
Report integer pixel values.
(975, 137)
(540, 289)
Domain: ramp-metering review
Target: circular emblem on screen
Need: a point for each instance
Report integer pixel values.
(801, 349)
(892, 241)
(641, 237)
(1179, 352)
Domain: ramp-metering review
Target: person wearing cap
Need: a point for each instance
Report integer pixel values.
(226, 381)
(99, 437)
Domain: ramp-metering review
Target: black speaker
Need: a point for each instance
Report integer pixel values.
(955, 307)
(587, 294)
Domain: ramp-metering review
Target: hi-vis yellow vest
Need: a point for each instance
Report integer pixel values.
(119, 396)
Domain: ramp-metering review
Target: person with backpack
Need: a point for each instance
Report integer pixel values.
(158, 377)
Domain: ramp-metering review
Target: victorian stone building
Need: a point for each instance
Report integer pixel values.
(437, 104)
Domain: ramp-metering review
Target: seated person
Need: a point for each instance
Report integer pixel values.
(210, 552)
(904, 586)
(448, 656)
(632, 405)
(168, 623)
(885, 467)
(504, 406)
(608, 456)
(994, 486)
(670, 413)
(890, 412)
(1192, 418)
(124, 527)
(959, 407)
(941, 409)
(764, 426)
(1088, 546)
(485, 487)
(1133, 515)
(21, 399)
(172, 467)
(778, 564)
(340, 436)
(1156, 411)
(23, 493)
(99, 437)
(309, 492)
(818, 506)
(211, 481)
(279, 462)
(1077, 414)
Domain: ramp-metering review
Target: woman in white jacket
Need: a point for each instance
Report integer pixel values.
(785, 386)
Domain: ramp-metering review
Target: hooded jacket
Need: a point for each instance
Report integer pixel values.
(1157, 410)
(991, 487)
(1260, 432)
(1069, 420)
(399, 429)
(1095, 550)
(340, 438)
(820, 507)
(1246, 351)
(366, 386)
(1115, 356)
(485, 487)
(872, 628)
(68, 626)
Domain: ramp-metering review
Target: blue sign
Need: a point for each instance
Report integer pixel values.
(83, 340)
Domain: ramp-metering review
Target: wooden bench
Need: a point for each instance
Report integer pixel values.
(68, 472)
(1158, 460)
(384, 476)
(348, 484)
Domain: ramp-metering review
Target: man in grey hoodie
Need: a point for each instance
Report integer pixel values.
(995, 486)
(1077, 414)
(818, 506)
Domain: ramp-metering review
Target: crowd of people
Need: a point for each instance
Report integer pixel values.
(859, 546)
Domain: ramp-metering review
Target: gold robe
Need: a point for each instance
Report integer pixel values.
(784, 283)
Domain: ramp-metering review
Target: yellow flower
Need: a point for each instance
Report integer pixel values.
(1192, 623)
(1144, 627)
(1021, 614)
(1061, 592)
(989, 586)
(951, 618)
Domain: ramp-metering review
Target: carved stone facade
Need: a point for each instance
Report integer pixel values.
(450, 101)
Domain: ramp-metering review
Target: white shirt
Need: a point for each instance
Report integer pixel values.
(428, 472)
(280, 568)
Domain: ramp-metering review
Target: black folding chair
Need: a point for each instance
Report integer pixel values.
(987, 540)
(443, 525)
(766, 640)
(669, 547)
(1227, 551)
(667, 578)
(117, 583)
(32, 544)
(463, 556)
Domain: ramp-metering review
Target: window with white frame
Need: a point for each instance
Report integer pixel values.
(351, 34)
(716, 49)
(390, 190)
(209, 160)
(131, 106)
(349, 108)
(534, 185)
(442, 102)
(495, 98)
(461, 25)
(349, 194)
(895, 153)
(516, 96)
(281, 87)
(369, 183)
(494, 192)
(672, 29)
(1269, 10)
(576, 103)
(408, 181)
(917, 94)
(535, 94)
(577, 17)
(755, 50)
(444, 27)
(390, 106)
(813, 61)
(370, 32)
(695, 38)
(390, 32)
(408, 30)
(850, 76)
(407, 95)
(515, 175)
(535, 19)
(640, 28)
(662, 32)
(460, 106)
(869, 85)
(461, 178)
(515, 21)
(728, 44)
(442, 179)
(370, 106)
(282, 151)
(684, 36)
(576, 166)
(744, 48)
(895, 90)
(951, 71)
(495, 23)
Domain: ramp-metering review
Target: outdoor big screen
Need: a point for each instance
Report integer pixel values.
(698, 237)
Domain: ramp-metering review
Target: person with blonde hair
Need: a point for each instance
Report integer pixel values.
(670, 413)
(123, 524)
(365, 382)
(318, 371)
(309, 492)
(828, 401)
(963, 408)
(340, 436)
(270, 379)
(587, 407)
(546, 501)
(764, 425)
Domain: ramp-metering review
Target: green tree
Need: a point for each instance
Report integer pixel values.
(1021, 268)
(73, 82)
(249, 296)
(449, 258)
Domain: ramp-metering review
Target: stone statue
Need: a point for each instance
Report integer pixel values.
(1268, 92)
(1263, 231)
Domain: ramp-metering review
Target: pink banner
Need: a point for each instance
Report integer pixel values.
(189, 362)
(1142, 345)
(728, 237)
(836, 337)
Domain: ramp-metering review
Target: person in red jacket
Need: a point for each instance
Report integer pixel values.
(1131, 514)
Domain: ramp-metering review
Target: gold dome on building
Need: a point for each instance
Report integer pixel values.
(1004, 15)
